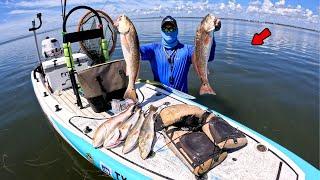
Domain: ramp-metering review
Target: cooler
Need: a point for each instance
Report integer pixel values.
(56, 70)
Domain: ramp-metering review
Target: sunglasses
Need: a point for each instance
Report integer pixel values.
(169, 29)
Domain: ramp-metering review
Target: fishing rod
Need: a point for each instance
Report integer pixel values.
(63, 8)
(34, 28)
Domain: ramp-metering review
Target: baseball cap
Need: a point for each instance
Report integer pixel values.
(169, 19)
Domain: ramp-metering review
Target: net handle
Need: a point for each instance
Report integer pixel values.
(82, 7)
(86, 17)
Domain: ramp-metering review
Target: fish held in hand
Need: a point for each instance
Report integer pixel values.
(132, 138)
(131, 53)
(147, 134)
(203, 44)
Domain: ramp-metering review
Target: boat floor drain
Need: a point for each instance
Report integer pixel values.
(262, 148)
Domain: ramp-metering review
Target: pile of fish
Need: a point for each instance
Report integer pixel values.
(130, 127)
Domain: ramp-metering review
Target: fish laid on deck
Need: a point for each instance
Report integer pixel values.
(129, 124)
(113, 139)
(133, 135)
(147, 134)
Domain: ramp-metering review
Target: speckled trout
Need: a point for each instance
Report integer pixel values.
(129, 124)
(203, 43)
(130, 49)
(133, 136)
(147, 134)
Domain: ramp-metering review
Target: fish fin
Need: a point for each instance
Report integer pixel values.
(131, 94)
(152, 108)
(194, 64)
(206, 89)
(207, 40)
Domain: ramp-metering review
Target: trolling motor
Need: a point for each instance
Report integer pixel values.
(34, 28)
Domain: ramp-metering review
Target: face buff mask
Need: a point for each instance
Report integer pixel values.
(169, 39)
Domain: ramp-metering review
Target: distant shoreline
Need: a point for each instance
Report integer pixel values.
(156, 17)
(236, 19)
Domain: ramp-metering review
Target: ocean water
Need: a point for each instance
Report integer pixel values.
(273, 89)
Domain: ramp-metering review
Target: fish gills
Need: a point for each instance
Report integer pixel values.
(133, 135)
(203, 44)
(99, 135)
(131, 53)
(113, 140)
(147, 133)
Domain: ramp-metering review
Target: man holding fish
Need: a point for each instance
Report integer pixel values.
(170, 60)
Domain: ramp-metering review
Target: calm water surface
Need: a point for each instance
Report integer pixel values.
(273, 89)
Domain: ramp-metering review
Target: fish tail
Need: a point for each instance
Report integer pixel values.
(206, 89)
(128, 147)
(131, 94)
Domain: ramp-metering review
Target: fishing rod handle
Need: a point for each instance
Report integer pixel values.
(33, 23)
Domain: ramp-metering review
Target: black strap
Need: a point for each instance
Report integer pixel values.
(99, 79)
(82, 35)
(204, 117)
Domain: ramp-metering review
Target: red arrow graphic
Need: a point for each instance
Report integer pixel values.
(258, 38)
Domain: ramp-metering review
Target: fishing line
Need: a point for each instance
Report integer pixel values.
(2, 130)
(171, 141)
(61, 10)
(4, 166)
(42, 164)
(39, 154)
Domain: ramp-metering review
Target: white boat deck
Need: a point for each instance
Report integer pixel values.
(245, 163)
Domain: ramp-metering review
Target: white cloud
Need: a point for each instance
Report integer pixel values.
(267, 6)
(255, 3)
(55, 3)
(23, 11)
(222, 6)
(281, 3)
(309, 13)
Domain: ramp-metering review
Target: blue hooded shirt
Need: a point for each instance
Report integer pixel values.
(155, 54)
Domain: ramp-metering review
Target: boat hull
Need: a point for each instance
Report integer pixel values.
(120, 167)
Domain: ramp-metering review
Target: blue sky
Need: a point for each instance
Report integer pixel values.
(17, 14)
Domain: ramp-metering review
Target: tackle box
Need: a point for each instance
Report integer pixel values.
(56, 70)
